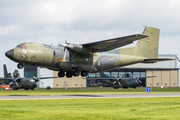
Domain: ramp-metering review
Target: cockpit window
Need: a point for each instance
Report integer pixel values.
(22, 46)
(18, 46)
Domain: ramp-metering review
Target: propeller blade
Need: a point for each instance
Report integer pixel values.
(114, 82)
(16, 84)
(10, 83)
(119, 78)
(64, 56)
(138, 80)
(12, 77)
(65, 45)
(41, 82)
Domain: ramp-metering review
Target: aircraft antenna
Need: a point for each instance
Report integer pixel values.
(66, 36)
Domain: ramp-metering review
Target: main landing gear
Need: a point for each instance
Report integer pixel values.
(69, 74)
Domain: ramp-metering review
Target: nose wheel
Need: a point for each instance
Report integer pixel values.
(20, 65)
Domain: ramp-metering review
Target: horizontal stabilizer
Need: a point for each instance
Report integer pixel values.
(156, 60)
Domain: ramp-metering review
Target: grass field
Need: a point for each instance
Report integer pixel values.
(87, 91)
(90, 109)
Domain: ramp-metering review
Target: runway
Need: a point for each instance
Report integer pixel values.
(42, 97)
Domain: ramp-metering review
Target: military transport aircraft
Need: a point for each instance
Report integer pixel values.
(123, 81)
(94, 57)
(25, 83)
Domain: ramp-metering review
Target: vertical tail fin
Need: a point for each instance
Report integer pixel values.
(6, 75)
(146, 47)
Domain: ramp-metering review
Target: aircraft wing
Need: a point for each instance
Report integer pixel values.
(37, 79)
(10, 79)
(146, 77)
(156, 60)
(48, 77)
(110, 44)
(101, 78)
(6, 79)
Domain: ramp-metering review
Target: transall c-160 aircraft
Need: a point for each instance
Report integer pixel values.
(94, 57)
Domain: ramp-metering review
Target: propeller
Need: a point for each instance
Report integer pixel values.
(37, 79)
(14, 80)
(117, 80)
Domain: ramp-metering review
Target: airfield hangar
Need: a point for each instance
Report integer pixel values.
(167, 75)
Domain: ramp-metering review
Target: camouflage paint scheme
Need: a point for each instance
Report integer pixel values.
(21, 83)
(91, 57)
(124, 81)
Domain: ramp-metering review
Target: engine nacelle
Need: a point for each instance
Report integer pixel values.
(75, 47)
(28, 83)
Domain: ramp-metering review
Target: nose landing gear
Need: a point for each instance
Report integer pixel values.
(20, 65)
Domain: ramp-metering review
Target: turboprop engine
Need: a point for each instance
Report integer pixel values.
(75, 47)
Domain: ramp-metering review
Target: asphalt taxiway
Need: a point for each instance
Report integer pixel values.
(40, 97)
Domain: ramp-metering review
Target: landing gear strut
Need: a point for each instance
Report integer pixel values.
(20, 65)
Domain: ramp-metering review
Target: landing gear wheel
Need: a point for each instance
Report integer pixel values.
(84, 73)
(15, 88)
(125, 87)
(76, 73)
(61, 74)
(32, 88)
(20, 65)
(26, 88)
(68, 74)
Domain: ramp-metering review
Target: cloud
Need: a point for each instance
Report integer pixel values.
(86, 21)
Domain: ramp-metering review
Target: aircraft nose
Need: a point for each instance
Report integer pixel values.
(10, 54)
(34, 85)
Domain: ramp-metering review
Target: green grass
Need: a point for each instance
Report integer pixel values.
(87, 91)
(90, 109)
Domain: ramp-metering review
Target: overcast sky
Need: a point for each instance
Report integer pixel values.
(47, 21)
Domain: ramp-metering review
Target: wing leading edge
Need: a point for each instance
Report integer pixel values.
(110, 44)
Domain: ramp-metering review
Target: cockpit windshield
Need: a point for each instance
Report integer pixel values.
(18, 46)
(22, 45)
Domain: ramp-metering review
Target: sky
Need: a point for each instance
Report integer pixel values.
(47, 21)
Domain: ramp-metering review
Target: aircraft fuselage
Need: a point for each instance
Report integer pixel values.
(34, 54)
